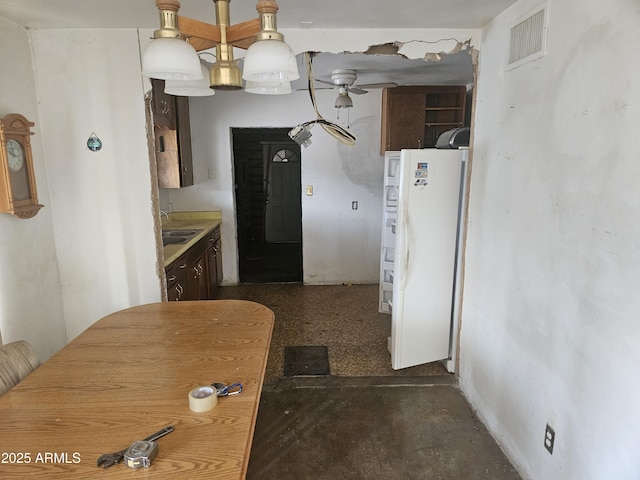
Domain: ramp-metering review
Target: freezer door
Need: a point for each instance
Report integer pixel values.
(424, 263)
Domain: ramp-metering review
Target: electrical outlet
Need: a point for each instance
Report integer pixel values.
(212, 174)
(549, 438)
(354, 205)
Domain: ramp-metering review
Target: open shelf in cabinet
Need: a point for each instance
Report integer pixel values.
(415, 116)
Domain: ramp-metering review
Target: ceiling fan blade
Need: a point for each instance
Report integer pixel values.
(377, 85)
(306, 89)
(357, 90)
(325, 82)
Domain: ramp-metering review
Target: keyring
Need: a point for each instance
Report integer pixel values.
(226, 390)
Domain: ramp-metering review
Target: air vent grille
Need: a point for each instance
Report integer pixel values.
(527, 40)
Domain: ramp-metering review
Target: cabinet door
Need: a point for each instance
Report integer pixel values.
(184, 141)
(218, 250)
(212, 272)
(197, 283)
(403, 119)
(172, 131)
(214, 262)
(163, 105)
(176, 281)
(167, 157)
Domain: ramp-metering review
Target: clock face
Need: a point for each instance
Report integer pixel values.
(15, 155)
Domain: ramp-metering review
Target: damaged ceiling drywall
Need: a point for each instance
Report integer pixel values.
(447, 62)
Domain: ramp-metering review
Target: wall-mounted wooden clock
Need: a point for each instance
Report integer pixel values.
(18, 194)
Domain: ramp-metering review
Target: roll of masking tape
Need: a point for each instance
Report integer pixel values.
(202, 399)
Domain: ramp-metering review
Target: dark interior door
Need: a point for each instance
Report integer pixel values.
(283, 208)
(268, 205)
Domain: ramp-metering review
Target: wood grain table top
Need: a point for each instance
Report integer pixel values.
(128, 376)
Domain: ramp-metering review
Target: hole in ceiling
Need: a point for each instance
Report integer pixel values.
(402, 63)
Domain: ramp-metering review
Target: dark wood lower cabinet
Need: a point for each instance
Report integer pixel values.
(197, 284)
(214, 262)
(197, 273)
(176, 280)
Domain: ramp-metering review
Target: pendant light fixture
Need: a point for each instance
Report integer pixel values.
(269, 59)
(190, 88)
(169, 56)
(269, 65)
(225, 73)
(262, 88)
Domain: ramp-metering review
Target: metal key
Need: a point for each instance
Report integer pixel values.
(109, 459)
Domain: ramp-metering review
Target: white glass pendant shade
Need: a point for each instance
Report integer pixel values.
(344, 101)
(190, 88)
(171, 59)
(261, 88)
(270, 61)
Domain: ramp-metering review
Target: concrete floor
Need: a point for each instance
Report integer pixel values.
(365, 420)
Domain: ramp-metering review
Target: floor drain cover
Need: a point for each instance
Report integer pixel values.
(306, 360)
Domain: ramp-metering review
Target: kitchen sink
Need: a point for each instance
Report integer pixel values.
(179, 233)
(173, 240)
(172, 237)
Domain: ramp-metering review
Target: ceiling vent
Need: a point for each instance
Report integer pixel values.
(528, 38)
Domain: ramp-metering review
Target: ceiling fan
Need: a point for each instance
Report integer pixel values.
(344, 80)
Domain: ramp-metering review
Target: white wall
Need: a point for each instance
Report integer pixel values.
(340, 244)
(30, 292)
(550, 329)
(89, 81)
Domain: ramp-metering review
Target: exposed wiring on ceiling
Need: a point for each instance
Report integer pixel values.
(339, 133)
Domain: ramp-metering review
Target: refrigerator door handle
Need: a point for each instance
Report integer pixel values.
(405, 241)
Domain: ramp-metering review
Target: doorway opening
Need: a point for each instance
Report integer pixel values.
(267, 171)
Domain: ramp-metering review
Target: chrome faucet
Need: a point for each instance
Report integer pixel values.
(162, 212)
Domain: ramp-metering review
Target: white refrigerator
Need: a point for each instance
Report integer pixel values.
(422, 228)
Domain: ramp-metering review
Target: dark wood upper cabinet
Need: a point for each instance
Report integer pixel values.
(163, 105)
(414, 117)
(172, 132)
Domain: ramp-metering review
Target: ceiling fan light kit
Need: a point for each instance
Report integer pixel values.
(344, 100)
(170, 56)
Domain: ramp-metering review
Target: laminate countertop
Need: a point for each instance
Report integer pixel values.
(203, 221)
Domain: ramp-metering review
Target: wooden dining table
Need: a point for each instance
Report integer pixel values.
(128, 376)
